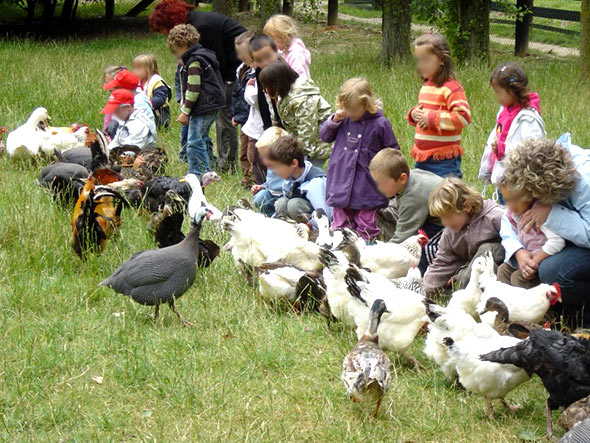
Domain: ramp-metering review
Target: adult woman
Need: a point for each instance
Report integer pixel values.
(218, 33)
(546, 171)
(302, 109)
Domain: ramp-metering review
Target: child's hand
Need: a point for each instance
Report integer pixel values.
(182, 119)
(535, 217)
(256, 189)
(233, 122)
(526, 264)
(423, 121)
(417, 113)
(339, 115)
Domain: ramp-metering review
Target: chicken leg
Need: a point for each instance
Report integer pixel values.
(183, 321)
(157, 312)
(414, 361)
(374, 414)
(489, 414)
(549, 421)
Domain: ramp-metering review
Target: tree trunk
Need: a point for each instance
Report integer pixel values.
(68, 12)
(585, 39)
(288, 7)
(523, 26)
(332, 13)
(396, 26)
(225, 7)
(109, 9)
(266, 8)
(30, 12)
(475, 27)
(243, 6)
(48, 11)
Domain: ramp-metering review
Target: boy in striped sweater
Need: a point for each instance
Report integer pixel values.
(203, 93)
(442, 111)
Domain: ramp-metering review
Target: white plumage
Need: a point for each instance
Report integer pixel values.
(26, 140)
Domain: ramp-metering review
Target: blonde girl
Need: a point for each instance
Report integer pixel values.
(283, 30)
(145, 67)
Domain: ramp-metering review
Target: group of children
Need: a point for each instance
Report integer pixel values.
(288, 132)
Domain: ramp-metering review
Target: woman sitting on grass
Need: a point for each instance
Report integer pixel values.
(544, 171)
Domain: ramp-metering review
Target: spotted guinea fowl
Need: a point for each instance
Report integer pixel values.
(366, 369)
(560, 360)
(159, 276)
(502, 324)
(81, 156)
(578, 434)
(64, 180)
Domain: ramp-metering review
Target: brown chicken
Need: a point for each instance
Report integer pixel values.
(97, 215)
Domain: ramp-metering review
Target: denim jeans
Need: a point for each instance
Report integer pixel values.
(196, 146)
(450, 167)
(570, 268)
(264, 201)
(293, 207)
(183, 138)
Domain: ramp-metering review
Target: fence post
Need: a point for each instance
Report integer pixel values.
(523, 26)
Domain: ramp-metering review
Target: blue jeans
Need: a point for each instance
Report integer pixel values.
(196, 145)
(264, 201)
(183, 138)
(450, 167)
(570, 268)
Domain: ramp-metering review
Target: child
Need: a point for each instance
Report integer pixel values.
(202, 91)
(301, 108)
(127, 80)
(263, 51)
(240, 109)
(283, 31)
(412, 189)
(267, 194)
(472, 228)
(109, 125)
(304, 185)
(519, 118)
(179, 99)
(442, 111)
(359, 130)
(540, 245)
(145, 67)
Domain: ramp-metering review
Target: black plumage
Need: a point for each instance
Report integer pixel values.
(167, 223)
(154, 191)
(560, 360)
(65, 180)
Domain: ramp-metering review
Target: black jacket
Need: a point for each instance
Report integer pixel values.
(212, 96)
(218, 34)
(240, 109)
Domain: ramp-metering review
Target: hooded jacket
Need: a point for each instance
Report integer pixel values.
(302, 112)
(298, 57)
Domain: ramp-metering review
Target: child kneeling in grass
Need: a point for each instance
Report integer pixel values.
(472, 229)
(266, 194)
(304, 185)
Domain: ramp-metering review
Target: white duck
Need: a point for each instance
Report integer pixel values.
(26, 140)
(490, 380)
(64, 141)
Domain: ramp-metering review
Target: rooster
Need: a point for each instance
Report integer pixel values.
(96, 215)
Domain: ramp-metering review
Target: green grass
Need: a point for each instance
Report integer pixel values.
(247, 371)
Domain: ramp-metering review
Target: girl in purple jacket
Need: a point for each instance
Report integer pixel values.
(359, 130)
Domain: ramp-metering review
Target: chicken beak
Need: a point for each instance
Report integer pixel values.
(182, 180)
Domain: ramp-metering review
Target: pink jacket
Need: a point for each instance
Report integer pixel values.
(457, 248)
(298, 57)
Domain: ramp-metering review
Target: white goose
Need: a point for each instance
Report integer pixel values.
(26, 140)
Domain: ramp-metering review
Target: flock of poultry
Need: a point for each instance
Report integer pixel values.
(488, 338)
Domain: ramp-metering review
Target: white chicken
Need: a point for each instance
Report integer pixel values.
(467, 299)
(64, 141)
(26, 140)
(490, 380)
(400, 326)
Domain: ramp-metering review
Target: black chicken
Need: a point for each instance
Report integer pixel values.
(560, 360)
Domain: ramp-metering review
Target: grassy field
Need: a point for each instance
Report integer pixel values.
(246, 372)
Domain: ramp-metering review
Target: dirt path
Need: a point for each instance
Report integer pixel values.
(547, 48)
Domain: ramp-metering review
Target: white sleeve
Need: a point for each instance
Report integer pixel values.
(554, 243)
(137, 134)
(251, 95)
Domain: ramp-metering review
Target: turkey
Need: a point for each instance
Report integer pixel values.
(337, 295)
(198, 199)
(26, 140)
(167, 224)
(578, 434)
(412, 281)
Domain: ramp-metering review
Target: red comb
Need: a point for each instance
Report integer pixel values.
(423, 238)
(546, 325)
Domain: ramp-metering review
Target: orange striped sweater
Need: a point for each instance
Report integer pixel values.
(448, 113)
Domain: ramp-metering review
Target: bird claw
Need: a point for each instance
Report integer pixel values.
(187, 323)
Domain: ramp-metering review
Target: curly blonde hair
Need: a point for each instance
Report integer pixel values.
(541, 170)
(357, 90)
(183, 36)
(451, 196)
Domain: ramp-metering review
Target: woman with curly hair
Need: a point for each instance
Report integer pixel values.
(543, 171)
(218, 34)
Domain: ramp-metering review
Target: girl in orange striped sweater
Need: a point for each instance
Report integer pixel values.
(442, 110)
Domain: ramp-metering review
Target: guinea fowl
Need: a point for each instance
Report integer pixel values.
(502, 324)
(560, 360)
(65, 180)
(576, 413)
(159, 276)
(81, 156)
(578, 434)
(366, 369)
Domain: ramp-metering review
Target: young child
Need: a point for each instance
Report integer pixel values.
(240, 109)
(265, 195)
(442, 111)
(179, 98)
(202, 91)
(472, 228)
(519, 118)
(304, 185)
(283, 31)
(263, 51)
(540, 244)
(359, 131)
(145, 67)
(412, 190)
(109, 125)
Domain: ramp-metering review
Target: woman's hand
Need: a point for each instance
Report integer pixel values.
(339, 116)
(528, 267)
(182, 119)
(535, 217)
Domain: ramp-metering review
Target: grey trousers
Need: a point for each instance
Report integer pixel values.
(292, 207)
(226, 135)
(464, 274)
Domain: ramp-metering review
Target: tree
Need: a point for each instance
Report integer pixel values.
(396, 26)
(68, 11)
(266, 8)
(332, 13)
(225, 7)
(288, 7)
(243, 5)
(475, 27)
(585, 39)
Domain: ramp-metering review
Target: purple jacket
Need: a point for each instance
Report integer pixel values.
(350, 184)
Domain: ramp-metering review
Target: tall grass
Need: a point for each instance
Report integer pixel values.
(247, 371)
